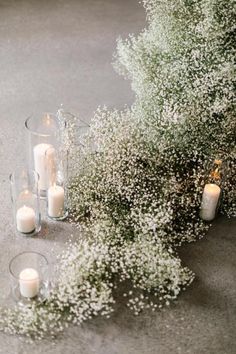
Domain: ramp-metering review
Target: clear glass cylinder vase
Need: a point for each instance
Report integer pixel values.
(43, 132)
(79, 144)
(26, 201)
(29, 277)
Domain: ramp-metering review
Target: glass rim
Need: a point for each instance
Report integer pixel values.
(21, 169)
(74, 116)
(32, 131)
(21, 254)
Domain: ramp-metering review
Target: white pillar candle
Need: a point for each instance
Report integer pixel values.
(29, 282)
(210, 200)
(40, 163)
(25, 219)
(56, 197)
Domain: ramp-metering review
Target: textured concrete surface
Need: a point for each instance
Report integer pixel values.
(55, 52)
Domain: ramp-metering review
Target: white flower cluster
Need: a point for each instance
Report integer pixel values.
(136, 194)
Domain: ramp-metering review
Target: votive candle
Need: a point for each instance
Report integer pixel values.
(56, 196)
(29, 282)
(210, 198)
(40, 163)
(25, 219)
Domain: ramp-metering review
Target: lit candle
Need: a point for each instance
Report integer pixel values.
(210, 200)
(56, 197)
(25, 219)
(40, 163)
(29, 282)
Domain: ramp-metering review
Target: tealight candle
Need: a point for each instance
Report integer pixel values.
(25, 219)
(56, 196)
(40, 163)
(210, 200)
(29, 282)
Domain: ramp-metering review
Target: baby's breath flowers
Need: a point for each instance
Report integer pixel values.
(136, 181)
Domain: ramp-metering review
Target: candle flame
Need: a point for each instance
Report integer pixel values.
(47, 119)
(215, 174)
(25, 195)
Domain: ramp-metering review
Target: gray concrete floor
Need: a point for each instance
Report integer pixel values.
(54, 52)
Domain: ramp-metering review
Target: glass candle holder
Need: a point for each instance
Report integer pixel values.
(78, 129)
(29, 275)
(212, 192)
(26, 201)
(56, 163)
(43, 132)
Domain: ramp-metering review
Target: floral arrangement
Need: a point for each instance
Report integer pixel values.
(137, 180)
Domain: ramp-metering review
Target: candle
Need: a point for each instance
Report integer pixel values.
(40, 163)
(56, 197)
(29, 282)
(25, 219)
(210, 200)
